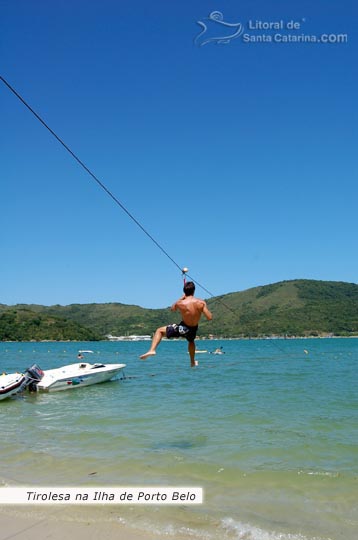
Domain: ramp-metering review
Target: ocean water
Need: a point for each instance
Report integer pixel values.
(269, 430)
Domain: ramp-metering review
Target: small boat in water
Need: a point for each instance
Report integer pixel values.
(71, 376)
(11, 384)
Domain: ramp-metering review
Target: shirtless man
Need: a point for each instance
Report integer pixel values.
(191, 310)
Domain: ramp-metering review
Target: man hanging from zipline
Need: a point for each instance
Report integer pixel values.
(191, 310)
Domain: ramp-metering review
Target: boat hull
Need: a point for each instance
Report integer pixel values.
(76, 376)
(11, 384)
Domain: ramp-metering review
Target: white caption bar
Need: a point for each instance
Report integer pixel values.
(101, 495)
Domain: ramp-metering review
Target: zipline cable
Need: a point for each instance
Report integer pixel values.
(88, 170)
(105, 188)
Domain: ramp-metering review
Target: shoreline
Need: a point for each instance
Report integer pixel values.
(23, 523)
(198, 338)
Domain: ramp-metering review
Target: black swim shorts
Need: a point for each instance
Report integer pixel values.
(181, 330)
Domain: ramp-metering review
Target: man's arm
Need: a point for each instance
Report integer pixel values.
(207, 312)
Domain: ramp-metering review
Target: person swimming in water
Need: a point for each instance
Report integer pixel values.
(219, 350)
(191, 310)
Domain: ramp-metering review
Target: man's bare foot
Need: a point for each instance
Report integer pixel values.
(196, 363)
(149, 353)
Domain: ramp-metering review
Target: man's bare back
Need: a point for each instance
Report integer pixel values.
(191, 309)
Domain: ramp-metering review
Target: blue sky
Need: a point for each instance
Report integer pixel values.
(239, 158)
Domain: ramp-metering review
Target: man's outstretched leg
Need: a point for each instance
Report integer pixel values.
(157, 338)
(191, 349)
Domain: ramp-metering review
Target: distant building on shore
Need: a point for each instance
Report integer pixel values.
(128, 338)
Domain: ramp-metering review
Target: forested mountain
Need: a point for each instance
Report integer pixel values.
(299, 307)
(22, 324)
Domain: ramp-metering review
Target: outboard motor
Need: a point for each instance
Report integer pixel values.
(34, 375)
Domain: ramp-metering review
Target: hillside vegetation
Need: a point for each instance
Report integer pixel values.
(26, 325)
(299, 307)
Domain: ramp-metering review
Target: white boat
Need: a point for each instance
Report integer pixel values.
(11, 384)
(72, 376)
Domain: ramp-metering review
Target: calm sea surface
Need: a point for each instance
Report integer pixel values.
(269, 431)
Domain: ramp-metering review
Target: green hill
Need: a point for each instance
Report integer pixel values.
(111, 318)
(299, 307)
(26, 325)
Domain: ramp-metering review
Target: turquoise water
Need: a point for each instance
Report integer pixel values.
(269, 432)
